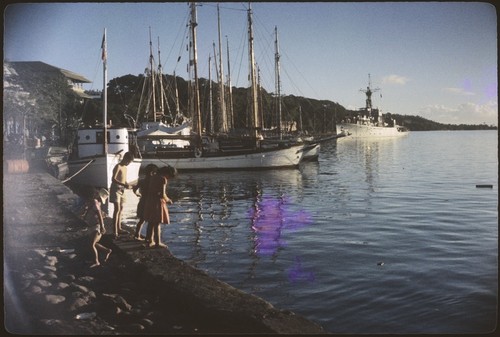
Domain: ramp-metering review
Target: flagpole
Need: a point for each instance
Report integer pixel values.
(105, 92)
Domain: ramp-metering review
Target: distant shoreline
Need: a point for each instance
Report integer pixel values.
(417, 123)
(495, 129)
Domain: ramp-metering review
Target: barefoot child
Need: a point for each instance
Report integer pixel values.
(92, 212)
(156, 210)
(141, 190)
(117, 191)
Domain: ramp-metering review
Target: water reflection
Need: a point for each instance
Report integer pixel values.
(230, 216)
(366, 162)
(271, 217)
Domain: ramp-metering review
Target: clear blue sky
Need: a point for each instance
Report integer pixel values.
(437, 60)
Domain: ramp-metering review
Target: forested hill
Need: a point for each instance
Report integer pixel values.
(417, 123)
(311, 115)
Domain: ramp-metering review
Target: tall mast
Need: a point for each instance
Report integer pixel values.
(278, 82)
(152, 71)
(197, 114)
(254, 112)
(177, 108)
(105, 92)
(221, 79)
(210, 108)
(219, 119)
(230, 113)
(160, 76)
(300, 118)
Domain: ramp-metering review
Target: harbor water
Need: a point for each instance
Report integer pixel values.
(379, 236)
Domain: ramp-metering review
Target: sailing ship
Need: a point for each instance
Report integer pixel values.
(99, 149)
(223, 150)
(370, 122)
(311, 147)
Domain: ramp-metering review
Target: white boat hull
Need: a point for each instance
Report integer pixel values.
(98, 171)
(366, 131)
(279, 158)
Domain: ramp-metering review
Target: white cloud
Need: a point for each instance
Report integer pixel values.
(395, 79)
(459, 91)
(466, 113)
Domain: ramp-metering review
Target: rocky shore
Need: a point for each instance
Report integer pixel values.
(50, 289)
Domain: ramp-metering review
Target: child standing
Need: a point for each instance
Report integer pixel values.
(117, 191)
(92, 212)
(141, 190)
(156, 210)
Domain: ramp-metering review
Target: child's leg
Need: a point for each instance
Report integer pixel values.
(119, 216)
(149, 233)
(104, 249)
(158, 236)
(153, 228)
(138, 228)
(95, 239)
(116, 217)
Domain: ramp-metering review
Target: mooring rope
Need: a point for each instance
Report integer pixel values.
(83, 168)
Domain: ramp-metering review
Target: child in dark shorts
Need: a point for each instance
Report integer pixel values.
(117, 191)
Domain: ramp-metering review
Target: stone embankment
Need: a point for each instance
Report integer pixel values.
(50, 289)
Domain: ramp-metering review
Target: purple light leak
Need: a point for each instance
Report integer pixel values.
(298, 274)
(271, 217)
(491, 91)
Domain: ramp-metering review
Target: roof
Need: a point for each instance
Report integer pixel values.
(74, 76)
(37, 66)
(159, 129)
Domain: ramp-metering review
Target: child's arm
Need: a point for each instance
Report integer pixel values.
(137, 188)
(101, 220)
(167, 199)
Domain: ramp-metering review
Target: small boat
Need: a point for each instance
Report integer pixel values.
(370, 122)
(99, 149)
(92, 164)
(56, 161)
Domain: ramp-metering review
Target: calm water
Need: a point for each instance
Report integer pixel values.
(381, 236)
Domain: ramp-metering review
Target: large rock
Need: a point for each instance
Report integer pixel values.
(77, 303)
(54, 299)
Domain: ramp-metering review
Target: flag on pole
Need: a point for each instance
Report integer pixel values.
(103, 47)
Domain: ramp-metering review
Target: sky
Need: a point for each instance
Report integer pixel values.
(437, 60)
